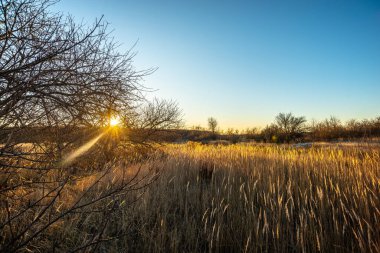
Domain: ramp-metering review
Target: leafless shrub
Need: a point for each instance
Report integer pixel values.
(60, 82)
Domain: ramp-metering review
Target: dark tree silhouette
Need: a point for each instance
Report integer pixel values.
(59, 83)
(290, 127)
(212, 124)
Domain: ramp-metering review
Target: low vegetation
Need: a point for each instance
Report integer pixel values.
(261, 198)
(231, 198)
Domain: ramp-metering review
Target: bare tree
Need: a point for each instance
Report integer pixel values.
(270, 133)
(251, 133)
(333, 129)
(290, 126)
(233, 135)
(152, 119)
(60, 82)
(212, 124)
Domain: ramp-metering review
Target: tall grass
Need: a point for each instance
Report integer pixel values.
(258, 198)
(213, 198)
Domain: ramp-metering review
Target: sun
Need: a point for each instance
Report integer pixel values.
(114, 121)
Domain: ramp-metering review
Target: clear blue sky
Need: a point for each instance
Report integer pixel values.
(243, 62)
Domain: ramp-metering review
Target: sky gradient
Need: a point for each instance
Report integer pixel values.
(244, 62)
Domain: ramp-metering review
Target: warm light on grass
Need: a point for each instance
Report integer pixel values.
(114, 121)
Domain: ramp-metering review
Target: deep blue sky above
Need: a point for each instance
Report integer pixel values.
(243, 62)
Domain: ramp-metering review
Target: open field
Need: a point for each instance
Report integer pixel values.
(266, 137)
(262, 199)
(231, 198)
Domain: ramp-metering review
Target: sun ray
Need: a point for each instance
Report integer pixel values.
(81, 150)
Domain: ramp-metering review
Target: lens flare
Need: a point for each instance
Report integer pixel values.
(114, 121)
(81, 150)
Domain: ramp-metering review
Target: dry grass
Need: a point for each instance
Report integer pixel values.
(230, 198)
(260, 198)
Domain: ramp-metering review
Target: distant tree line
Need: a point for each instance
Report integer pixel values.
(288, 128)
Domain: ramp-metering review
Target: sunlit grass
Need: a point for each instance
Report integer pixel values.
(263, 198)
(235, 198)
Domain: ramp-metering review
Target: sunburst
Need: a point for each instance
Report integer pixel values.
(114, 121)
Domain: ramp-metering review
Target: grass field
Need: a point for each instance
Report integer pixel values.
(261, 198)
(228, 198)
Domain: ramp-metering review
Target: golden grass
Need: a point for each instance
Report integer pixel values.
(261, 198)
(230, 198)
